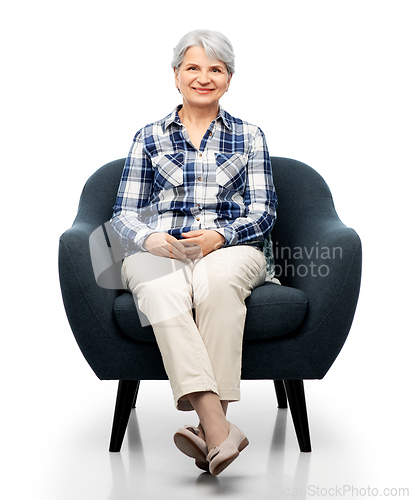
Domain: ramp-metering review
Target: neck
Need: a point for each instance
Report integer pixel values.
(198, 116)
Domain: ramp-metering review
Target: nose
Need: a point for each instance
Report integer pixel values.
(203, 78)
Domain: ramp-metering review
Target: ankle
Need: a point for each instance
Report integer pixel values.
(216, 432)
(201, 431)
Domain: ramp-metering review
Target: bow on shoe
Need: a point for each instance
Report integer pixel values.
(193, 429)
(221, 456)
(212, 454)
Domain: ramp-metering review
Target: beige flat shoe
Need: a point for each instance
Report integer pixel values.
(188, 441)
(221, 456)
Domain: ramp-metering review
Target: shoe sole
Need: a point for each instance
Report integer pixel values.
(189, 448)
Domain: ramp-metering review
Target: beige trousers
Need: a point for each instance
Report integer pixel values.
(197, 311)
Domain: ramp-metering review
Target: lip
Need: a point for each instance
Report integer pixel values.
(202, 91)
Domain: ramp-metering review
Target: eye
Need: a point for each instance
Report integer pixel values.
(216, 70)
(192, 68)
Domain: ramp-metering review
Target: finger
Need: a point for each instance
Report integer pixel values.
(168, 249)
(171, 239)
(192, 241)
(179, 245)
(192, 234)
(194, 252)
(159, 251)
(173, 248)
(177, 251)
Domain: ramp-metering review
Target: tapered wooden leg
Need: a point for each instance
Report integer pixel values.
(125, 397)
(136, 394)
(297, 403)
(280, 394)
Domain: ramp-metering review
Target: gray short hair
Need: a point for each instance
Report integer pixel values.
(216, 45)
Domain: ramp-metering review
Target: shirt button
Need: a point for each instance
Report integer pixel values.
(200, 178)
(200, 155)
(210, 133)
(198, 218)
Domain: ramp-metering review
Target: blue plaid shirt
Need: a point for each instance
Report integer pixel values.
(169, 185)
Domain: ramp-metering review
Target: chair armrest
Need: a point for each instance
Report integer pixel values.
(323, 258)
(89, 307)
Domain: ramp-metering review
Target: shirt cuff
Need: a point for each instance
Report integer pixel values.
(142, 235)
(230, 235)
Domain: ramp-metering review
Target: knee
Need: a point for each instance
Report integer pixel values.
(216, 293)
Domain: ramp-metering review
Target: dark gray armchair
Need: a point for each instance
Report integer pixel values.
(293, 332)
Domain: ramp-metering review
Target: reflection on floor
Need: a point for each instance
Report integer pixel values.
(76, 463)
(135, 479)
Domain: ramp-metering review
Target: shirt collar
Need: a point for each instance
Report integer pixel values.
(226, 118)
(174, 118)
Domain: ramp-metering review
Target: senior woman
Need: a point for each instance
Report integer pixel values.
(197, 195)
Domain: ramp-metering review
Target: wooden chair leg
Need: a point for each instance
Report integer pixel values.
(280, 394)
(297, 403)
(125, 397)
(136, 394)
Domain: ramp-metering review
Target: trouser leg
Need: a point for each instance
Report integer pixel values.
(221, 283)
(167, 303)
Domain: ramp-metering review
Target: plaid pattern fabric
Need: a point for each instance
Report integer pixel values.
(169, 185)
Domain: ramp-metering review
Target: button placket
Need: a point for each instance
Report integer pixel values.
(200, 178)
(200, 173)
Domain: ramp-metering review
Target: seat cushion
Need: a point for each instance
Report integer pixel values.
(273, 311)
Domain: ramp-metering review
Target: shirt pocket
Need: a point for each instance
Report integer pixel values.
(168, 170)
(231, 171)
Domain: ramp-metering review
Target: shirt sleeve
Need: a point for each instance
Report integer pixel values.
(259, 198)
(132, 203)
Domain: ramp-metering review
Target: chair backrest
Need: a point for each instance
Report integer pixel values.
(301, 191)
(99, 194)
(299, 188)
(305, 203)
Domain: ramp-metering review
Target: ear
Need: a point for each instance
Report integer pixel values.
(229, 81)
(176, 78)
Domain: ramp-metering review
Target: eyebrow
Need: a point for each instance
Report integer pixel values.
(220, 66)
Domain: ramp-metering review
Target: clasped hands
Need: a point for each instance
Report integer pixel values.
(195, 244)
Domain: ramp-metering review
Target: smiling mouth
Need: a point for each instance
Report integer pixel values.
(202, 91)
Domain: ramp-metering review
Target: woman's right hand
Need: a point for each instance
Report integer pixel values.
(165, 245)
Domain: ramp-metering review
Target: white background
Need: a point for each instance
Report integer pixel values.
(327, 81)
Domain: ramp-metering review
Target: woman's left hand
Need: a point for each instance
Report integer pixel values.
(207, 240)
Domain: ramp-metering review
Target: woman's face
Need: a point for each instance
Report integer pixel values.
(202, 82)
